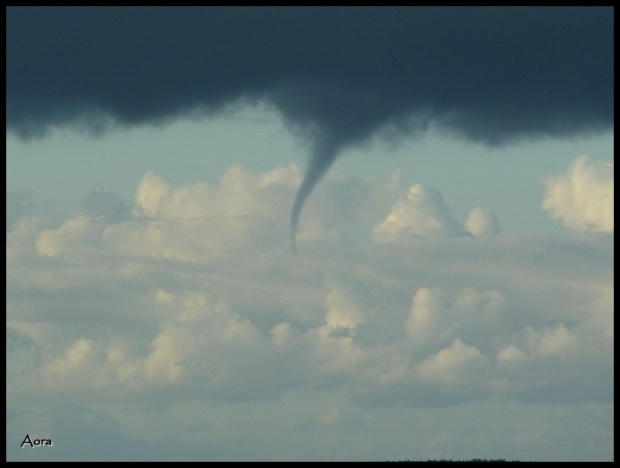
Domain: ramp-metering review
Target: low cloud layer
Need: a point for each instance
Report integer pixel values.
(113, 311)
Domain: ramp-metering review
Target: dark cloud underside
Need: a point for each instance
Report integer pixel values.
(337, 75)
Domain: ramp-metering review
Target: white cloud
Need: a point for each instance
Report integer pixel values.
(22, 236)
(195, 222)
(196, 295)
(420, 213)
(76, 360)
(583, 198)
(358, 319)
(382, 196)
(482, 222)
(457, 365)
(77, 232)
(343, 307)
(150, 193)
(166, 353)
(437, 317)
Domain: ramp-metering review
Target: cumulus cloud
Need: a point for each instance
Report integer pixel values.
(75, 362)
(194, 221)
(349, 330)
(482, 222)
(549, 356)
(437, 317)
(420, 213)
(78, 231)
(343, 307)
(458, 364)
(176, 299)
(583, 198)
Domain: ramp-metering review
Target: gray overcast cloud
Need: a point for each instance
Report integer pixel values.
(337, 75)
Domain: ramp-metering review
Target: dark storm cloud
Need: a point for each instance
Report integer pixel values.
(337, 75)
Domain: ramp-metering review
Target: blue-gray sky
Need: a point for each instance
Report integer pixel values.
(454, 277)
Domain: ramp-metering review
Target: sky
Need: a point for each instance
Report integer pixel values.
(310, 233)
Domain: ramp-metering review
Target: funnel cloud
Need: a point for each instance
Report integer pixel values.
(338, 76)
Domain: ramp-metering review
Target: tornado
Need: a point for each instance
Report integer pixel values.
(324, 154)
(343, 78)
